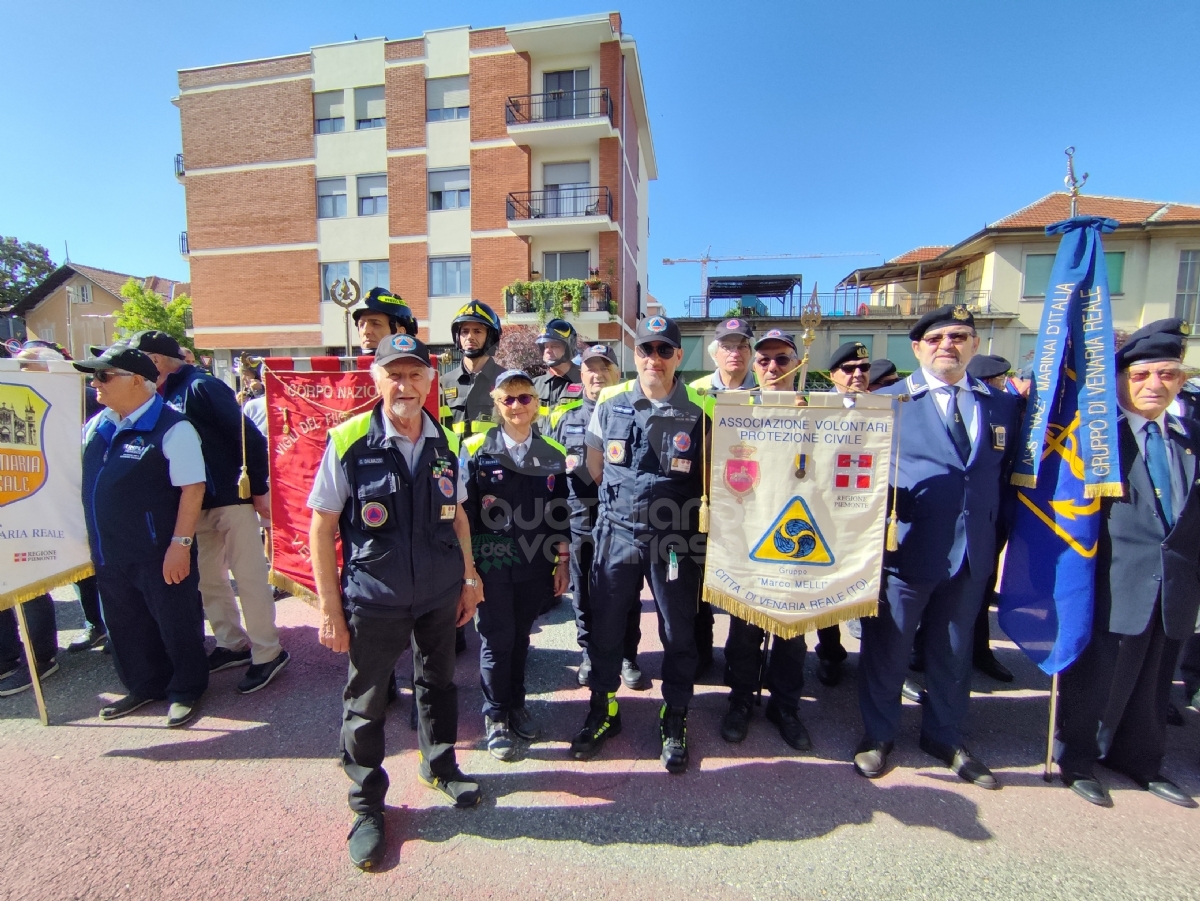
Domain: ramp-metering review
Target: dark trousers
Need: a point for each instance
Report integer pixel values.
(1190, 665)
(504, 621)
(43, 634)
(376, 643)
(156, 630)
(622, 562)
(743, 664)
(829, 644)
(89, 600)
(981, 639)
(703, 629)
(948, 609)
(583, 551)
(1114, 702)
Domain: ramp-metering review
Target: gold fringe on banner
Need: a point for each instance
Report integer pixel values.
(31, 591)
(756, 617)
(1023, 481)
(282, 582)
(1104, 489)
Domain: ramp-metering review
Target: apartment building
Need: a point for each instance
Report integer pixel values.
(445, 167)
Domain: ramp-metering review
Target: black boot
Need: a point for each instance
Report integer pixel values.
(602, 723)
(673, 732)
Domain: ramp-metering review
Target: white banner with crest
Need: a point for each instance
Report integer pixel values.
(798, 501)
(43, 540)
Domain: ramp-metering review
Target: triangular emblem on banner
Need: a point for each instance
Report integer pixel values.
(794, 538)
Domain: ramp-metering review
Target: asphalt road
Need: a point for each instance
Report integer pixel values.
(249, 802)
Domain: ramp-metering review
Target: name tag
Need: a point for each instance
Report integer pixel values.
(451, 393)
(681, 464)
(573, 430)
(999, 437)
(623, 409)
(574, 390)
(448, 511)
(369, 461)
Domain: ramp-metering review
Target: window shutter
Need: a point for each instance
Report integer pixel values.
(567, 174)
(449, 179)
(368, 103)
(329, 104)
(447, 93)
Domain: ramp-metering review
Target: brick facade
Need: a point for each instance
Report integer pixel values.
(242, 340)
(407, 189)
(610, 76)
(493, 80)
(410, 276)
(488, 37)
(256, 288)
(410, 49)
(404, 94)
(255, 124)
(495, 264)
(299, 64)
(252, 207)
(495, 173)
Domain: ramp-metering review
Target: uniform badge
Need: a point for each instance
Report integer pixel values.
(451, 393)
(440, 468)
(487, 500)
(374, 514)
(574, 390)
(681, 464)
(682, 442)
(572, 462)
(550, 483)
(656, 324)
(961, 314)
(741, 472)
(999, 437)
(446, 486)
(448, 511)
(615, 451)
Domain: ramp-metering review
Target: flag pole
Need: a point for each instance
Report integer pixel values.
(1046, 774)
(1073, 184)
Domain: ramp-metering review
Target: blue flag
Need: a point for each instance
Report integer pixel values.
(1067, 457)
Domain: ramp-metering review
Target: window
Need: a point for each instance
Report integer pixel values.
(372, 195)
(866, 340)
(900, 352)
(368, 108)
(449, 189)
(1114, 262)
(568, 188)
(374, 274)
(329, 112)
(1038, 267)
(1025, 351)
(565, 264)
(331, 198)
(566, 94)
(1187, 288)
(447, 98)
(79, 293)
(46, 332)
(330, 273)
(450, 276)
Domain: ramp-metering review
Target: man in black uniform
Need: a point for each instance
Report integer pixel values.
(390, 485)
(468, 386)
(562, 377)
(383, 314)
(568, 424)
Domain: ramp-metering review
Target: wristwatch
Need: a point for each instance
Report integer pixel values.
(471, 583)
(178, 539)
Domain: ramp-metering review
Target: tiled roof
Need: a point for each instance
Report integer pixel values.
(920, 254)
(110, 281)
(107, 279)
(1057, 206)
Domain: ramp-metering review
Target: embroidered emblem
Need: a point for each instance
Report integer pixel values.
(487, 500)
(572, 462)
(550, 483)
(446, 486)
(854, 471)
(374, 514)
(682, 442)
(961, 314)
(615, 451)
(656, 324)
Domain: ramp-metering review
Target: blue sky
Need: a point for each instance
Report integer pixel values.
(795, 127)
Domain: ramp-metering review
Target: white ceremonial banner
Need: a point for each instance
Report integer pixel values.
(43, 540)
(798, 502)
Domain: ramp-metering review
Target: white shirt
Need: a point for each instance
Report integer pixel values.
(256, 412)
(968, 407)
(180, 444)
(1138, 424)
(330, 490)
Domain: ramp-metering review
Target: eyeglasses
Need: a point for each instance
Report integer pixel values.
(850, 368)
(666, 351)
(733, 346)
(523, 399)
(781, 361)
(955, 338)
(1164, 375)
(104, 376)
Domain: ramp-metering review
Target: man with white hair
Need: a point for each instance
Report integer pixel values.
(143, 484)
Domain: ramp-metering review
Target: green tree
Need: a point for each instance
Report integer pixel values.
(23, 266)
(144, 309)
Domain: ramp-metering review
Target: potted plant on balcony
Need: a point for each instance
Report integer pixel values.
(572, 292)
(521, 294)
(593, 279)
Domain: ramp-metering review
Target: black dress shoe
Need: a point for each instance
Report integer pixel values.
(736, 723)
(911, 691)
(990, 666)
(960, 760)
(829, 672)
(1167, 790)
(1174, 717)
(791, 729)
(870, 759)
(1088, 788)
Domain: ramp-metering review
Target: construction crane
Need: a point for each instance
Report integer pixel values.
(708, 258)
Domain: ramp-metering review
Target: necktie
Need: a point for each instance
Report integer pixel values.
(955, 425)
(1160, 470)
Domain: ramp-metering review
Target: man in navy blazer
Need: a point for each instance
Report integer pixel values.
(955, 445)
(1147, 588)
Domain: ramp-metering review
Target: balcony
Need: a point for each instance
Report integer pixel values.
(179, 170)
(184, 249)
(584, 210)
(560, 118)
(852, 302)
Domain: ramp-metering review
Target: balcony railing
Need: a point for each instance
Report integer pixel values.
(183, 244)
(595, 300)
(560, 203)
(852, 302)
(557, 106)
(179, 170)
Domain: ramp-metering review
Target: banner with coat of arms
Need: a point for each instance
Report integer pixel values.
(798, 500)
(43, 539)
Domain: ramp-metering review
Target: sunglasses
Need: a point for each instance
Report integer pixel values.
(523, 399)
(954, 337)
(849, 368)
(666, 351)
(781, 361)
(1164, 375)
(104, 376)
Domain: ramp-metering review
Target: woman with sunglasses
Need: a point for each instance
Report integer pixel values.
(520, 528)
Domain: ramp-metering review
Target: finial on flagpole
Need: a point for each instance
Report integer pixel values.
(1073, 184)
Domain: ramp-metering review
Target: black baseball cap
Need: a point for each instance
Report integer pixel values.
(775, 335)
(950, 314)
(401, 347)
(850, 352)
(658, 328)
(988, 366)
(735, 326)
(121, 356)
(599, 351)
(152, 341)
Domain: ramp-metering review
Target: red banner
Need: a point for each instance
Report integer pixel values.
(302, 406)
